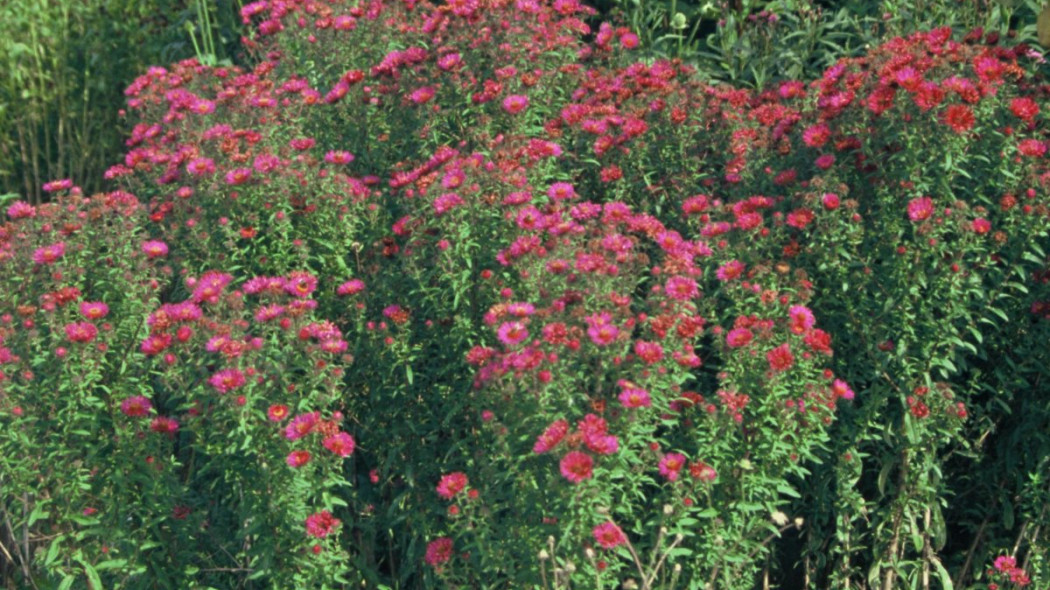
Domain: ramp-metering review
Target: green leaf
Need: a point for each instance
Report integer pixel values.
(92, 575)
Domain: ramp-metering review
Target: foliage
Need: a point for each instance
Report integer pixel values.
(464, 295)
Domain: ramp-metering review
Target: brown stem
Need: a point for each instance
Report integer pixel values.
(961, 576)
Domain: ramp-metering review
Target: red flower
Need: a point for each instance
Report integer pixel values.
(780, 358)
(321, 524)
(959, 117)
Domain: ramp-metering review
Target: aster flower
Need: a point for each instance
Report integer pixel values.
(577, 466)
(94, 310)
(609, 536)
(340, 443)
(551, 437)
(155, 249)
(227, 380)
(321, 524)
(452, 484)
(82, 332)
(439, 551)
(136, 406)
(298, 458)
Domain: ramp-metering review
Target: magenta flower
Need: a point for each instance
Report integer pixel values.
(21, 210)
(512, 333)
(577, 466)
(439, 551)
(681, 288)
(94, 310)
(920, 209)
(633, 397)
(730, 270)
(238, 176)
(515, 103)
(201, 166)
(227, 380)
(452, 484)
(155, 249)
(136, 406)
(338, 157)
(300, 284)
(981, 226)
(738, 337)
(801, 319)
(302, 425)
(49, 254)
(351, 287)
(340, 443)
(671, 465)
(609, 536)
(82, 332)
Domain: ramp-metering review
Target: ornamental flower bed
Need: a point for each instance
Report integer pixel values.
(461, 295)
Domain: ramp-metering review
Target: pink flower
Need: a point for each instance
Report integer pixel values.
(340, 443)
(628, 40)
(439, 551)
(609, 536)
(21, 210)
(920, 209)
(671, 464)
(227, 380)
(681, 288)
(981, 226)
(135, 406)
(817, 135)
(551, 437)
(300, 284)
(452, 484)
(338, 157)
(155, 249)
(512, 333)
(200, 166)
(238, 176)
(164, 425)
(780, 358)
(94, 310)
(321, 524)
(730, 270)
(830, 201)
(444, 203)
(801, 319)
(738, 337)
(82, 332)
(577, 466)
(633, 397)
(298, 458)
(302, 425)
(351, 287)
(515, 103)
(840, 389)
(561, 191)
(649, 352)
(422, 95)
(49, 254)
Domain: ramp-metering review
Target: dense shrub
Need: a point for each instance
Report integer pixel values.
(459, 295)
